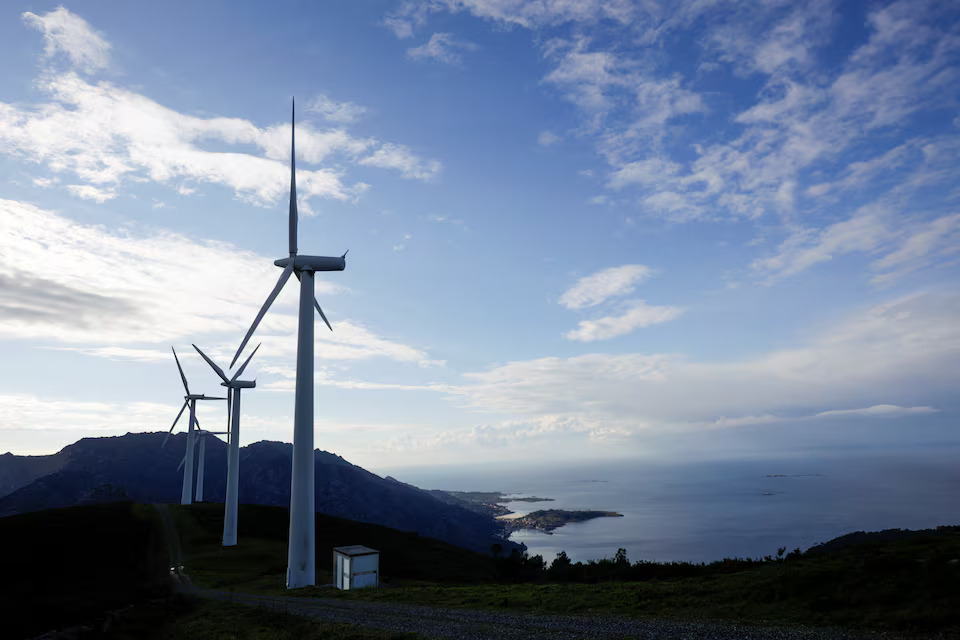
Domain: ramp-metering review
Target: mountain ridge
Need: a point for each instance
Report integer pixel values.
(135, 467)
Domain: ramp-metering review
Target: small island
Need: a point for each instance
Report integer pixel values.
(490, 503)
(549, 519)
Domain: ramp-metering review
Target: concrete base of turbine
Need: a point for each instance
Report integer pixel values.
(233, 475)
(301, 561)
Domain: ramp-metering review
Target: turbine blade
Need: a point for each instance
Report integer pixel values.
(242, 367)
(182, 461)
(174, 423)
(317, 304)
(212, 364)
(293, 184)
(266, 305)
(182, 377)
(229, 408)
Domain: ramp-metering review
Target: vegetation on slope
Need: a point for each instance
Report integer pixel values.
(259, 562)
(67, 566)
(900, 580)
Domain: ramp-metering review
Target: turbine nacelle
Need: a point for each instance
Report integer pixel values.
(240, 384)
(201, 396)
(313, 263)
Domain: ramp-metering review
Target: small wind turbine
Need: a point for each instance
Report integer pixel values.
(233, 386)
(191, 400)
(301, 563)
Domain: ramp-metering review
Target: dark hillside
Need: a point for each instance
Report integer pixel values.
(19, 471)
(70, 566)
(134, 467)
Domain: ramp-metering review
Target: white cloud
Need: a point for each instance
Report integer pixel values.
(108, 294)
(336, 112)
(27, 411)
(638, 315)
(548, 139)
(535, 15)
(105, 135)
(920, 247)
(598, 287)
(395, 156)
(503, 434)
(88, 192)
(899, 353)
(774, 39)
(68, 33)
(442, 47)
(888, 410)
(122, 354)
(904, 246)
(44, 183)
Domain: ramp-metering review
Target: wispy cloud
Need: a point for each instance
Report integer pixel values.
(67, 33)
(336, 112)
(442, 47)
(637, 315)
(598, 287)
(88, 192)
(548, 139)
(898, 246)
(400, 158)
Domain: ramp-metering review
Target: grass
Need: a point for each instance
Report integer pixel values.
(66, 566)
(186, 618)
(911, 584)
(258, 563)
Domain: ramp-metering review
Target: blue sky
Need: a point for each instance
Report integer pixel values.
(577, 230)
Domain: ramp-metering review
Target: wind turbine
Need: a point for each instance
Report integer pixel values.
(191, 400)
(202, 454)
(233, 386)
(301, 563)
(201, 437)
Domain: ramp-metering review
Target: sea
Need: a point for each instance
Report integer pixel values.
(708, 510)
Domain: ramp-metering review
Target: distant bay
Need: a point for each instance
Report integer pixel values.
(708, 510)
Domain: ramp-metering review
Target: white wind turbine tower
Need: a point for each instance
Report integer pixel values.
(188, 400)
(300, 548)
(233, 386)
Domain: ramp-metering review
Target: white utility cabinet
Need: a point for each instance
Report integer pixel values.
(355, 567)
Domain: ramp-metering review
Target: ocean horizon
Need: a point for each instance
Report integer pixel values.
(708, 510)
